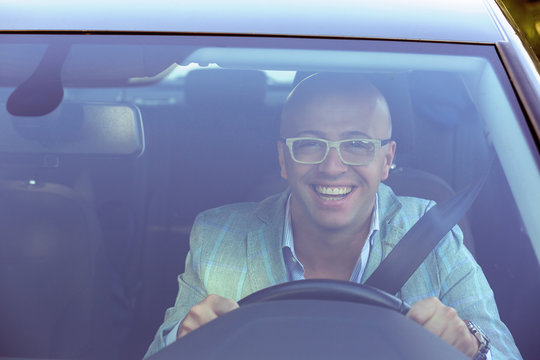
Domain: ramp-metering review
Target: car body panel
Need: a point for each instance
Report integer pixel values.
(463, 20)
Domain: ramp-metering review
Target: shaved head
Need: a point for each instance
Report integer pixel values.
(334, 94)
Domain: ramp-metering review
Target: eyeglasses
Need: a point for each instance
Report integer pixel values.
(305, 150)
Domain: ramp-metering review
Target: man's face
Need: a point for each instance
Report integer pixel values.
(333, 196)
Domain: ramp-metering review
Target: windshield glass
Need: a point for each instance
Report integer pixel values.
(111, 145)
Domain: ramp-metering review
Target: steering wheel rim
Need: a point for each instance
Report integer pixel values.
(326, 289)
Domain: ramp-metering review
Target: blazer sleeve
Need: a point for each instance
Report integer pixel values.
(464, 287)
(190, 290)
(451, 274)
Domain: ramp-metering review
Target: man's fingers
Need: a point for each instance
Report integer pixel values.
(198, 315)
(423, 310)
(220, 305)
(444, 322)
(205, 311)
(443, 319)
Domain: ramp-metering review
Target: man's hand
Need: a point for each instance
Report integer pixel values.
(205, 311)
(444, 322)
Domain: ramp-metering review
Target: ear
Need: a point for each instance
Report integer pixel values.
(281, 154)
(388, 159)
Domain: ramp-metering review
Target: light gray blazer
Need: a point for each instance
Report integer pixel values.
(235, 250)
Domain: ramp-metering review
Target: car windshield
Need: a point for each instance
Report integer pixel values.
(110, 145)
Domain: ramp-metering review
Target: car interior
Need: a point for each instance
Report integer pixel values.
(97, 197)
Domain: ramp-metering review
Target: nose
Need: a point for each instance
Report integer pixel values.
(332, 165)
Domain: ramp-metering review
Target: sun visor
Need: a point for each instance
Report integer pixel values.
(94, 129)
(91, 61)
(117, 65)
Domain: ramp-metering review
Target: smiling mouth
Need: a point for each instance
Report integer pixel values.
(332, 192)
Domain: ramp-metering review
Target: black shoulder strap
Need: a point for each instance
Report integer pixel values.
(422, 238)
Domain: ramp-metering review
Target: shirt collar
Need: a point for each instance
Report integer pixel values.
(288, 240)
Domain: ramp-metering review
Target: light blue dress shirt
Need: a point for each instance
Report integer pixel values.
(295, 269)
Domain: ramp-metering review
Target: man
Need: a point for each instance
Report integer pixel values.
(337, 222)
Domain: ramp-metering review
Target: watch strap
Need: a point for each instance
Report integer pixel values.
(483, 340)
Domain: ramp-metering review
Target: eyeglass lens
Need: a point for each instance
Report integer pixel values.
(352, 151)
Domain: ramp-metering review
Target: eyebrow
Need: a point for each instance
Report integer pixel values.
(308, 133)
(345, 135)
(355, 134)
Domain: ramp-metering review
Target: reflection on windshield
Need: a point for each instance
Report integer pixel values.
(162, 129)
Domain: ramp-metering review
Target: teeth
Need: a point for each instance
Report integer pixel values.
(333, 190)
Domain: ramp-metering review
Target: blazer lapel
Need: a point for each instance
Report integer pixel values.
(265, 261)
(383, 242)
(265, 265)
(388, 235)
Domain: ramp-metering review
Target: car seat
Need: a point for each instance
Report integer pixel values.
(49, 226)
(49, 237)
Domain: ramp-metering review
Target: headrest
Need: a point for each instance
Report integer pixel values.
(93, 129)
(441, 98)
(225, 88)
(395, 89)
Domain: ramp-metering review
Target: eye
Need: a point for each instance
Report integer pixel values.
(309, 144)
(358, 145)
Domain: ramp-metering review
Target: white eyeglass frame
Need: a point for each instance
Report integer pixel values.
(378, 143)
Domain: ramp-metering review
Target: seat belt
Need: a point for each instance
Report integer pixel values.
(421, 239)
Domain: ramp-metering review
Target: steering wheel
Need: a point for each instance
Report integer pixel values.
(317, 320)
(325, 289)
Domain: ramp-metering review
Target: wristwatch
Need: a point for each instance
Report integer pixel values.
(482, 340)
